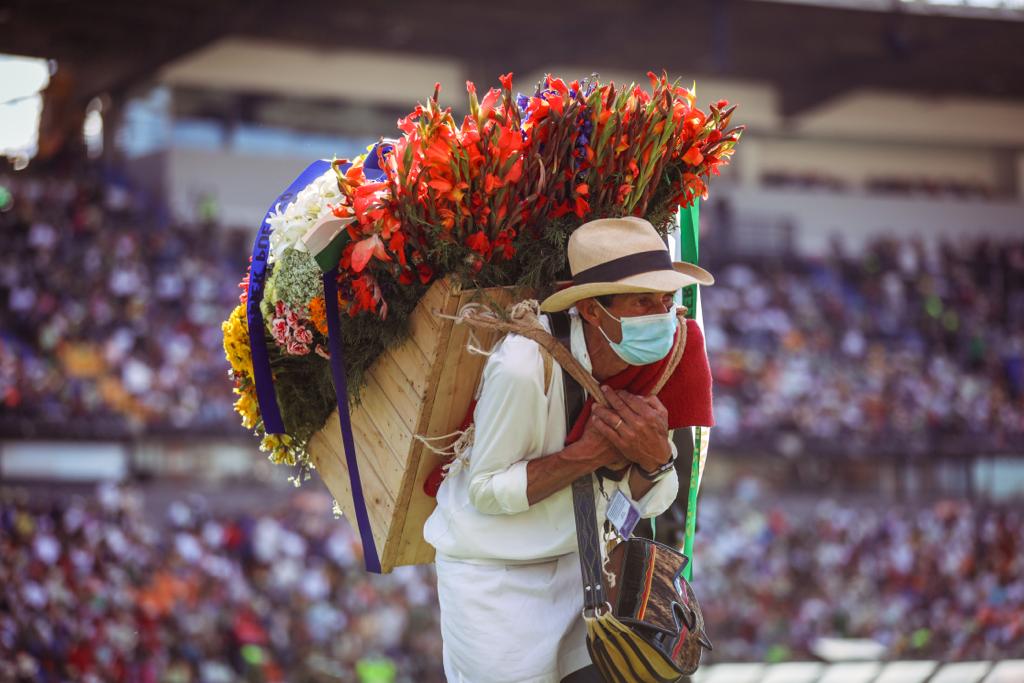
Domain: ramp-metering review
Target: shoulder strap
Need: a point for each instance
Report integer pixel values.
(575, 395)
(584, 507)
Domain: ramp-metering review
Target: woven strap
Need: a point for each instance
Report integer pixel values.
(589, 541)
(584, 507)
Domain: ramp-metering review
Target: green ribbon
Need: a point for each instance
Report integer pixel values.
(689, 241)
(329, 256)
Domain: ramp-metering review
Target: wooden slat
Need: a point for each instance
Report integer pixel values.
(395, 427)
(333, 470)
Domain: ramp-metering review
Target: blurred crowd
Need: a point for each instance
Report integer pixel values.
(111, 325)
(940, 581)
(909, 348)
(95, 589)
(92, 590)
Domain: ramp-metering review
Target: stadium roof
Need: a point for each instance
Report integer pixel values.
(810, 53)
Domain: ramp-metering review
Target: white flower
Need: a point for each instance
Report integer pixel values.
(288, 224)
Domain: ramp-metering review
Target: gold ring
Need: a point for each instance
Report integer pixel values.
(616, 428)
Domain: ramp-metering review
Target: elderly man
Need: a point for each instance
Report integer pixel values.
(509, 578)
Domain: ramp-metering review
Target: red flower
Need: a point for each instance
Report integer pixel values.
(447, 218)
(425, 272)
(557, 103)
(365, 249)
(693, 157)
(397, 245)
(490, 100)
(561, 210)
(479, 243)
(503, 243)
(441, 185)
(516, 172)
(582, 207)
(558, 85)
(506, 80)
(244, 286)
(363, 289)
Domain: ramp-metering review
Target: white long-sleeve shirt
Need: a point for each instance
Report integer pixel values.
(483, 514)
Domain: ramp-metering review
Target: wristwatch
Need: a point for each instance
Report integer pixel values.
(661, 471)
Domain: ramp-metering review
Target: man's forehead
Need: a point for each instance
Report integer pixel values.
(637, 296)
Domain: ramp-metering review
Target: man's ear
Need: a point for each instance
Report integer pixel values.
(588, 310)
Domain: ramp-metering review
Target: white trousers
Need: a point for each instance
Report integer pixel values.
(512, 623)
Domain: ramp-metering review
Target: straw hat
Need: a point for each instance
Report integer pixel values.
(621, 256)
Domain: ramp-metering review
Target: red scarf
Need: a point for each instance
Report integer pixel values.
(686, 395)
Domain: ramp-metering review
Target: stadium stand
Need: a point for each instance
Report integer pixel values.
(111, 587)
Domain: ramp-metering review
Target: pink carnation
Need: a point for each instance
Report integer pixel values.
(297, 349)
(279, 328)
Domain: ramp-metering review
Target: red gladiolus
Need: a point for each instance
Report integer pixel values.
(479, 243)
(340, 211)
(557, 103)
(582, 207)
(447, 218)
(506, 80)
(425, 272)
(516, 172)
(693, 157)
(441, 185)
(490, 100)
(562, 209)
(397, 245)
(365, 249)
(364, 300)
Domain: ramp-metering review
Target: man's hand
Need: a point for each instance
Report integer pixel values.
(552, 473)
(594, 449)
(637, 426)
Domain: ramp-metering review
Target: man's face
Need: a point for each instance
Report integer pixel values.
(624, 306)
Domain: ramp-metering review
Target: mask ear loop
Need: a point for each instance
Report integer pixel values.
(610, 315)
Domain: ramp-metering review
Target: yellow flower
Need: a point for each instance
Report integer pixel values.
(247, 407)
(236, 342)
(279, 447)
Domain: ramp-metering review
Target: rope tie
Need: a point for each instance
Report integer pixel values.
(458, 450)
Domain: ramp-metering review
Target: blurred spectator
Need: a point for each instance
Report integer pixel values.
(908, 348)
(112, 326)
(944, 581)
(91, 591)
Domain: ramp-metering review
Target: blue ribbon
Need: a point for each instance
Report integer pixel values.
(372, 171)
(272, 422)
(370, 557)
(269, 410)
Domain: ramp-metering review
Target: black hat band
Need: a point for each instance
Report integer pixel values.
(625, 266)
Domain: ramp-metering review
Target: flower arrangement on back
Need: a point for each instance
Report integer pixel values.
(489, 200)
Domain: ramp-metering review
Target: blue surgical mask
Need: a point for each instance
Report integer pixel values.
(646, 339)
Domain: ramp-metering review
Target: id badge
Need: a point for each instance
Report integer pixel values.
(623, 514)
